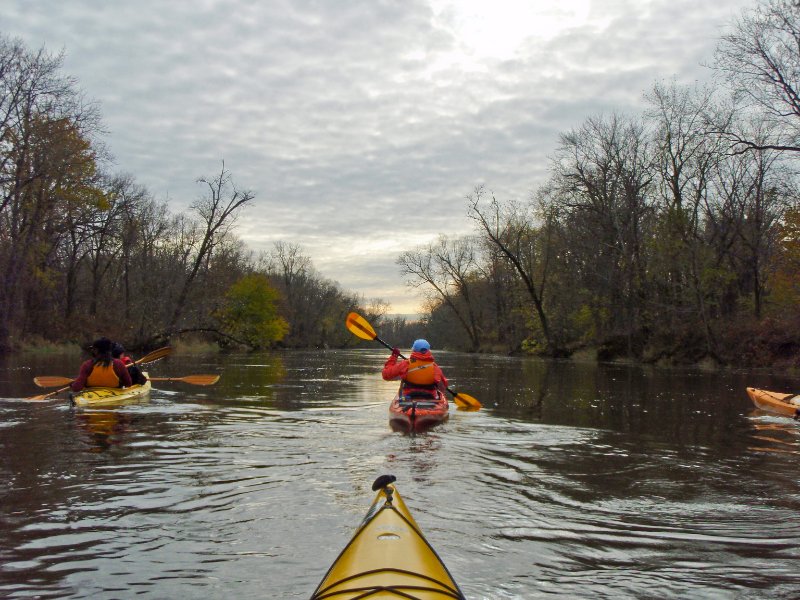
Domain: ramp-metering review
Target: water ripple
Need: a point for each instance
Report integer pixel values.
(610, 490)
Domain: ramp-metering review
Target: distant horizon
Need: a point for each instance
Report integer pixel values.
(415, 316)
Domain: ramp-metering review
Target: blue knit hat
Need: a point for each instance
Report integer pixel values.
(421, 346)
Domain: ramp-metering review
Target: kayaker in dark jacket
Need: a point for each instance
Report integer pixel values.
(137, 377)
(420, 375)
(102, 370)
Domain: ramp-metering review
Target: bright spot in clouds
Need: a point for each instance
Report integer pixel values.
(497, 29)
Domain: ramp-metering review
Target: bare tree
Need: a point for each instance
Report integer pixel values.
(448, 267)
(515, 236)
(290, 267)
(685, 161)
(218, 211)
(45, 160)
(752, 192)
(761, 60)
(600, 184)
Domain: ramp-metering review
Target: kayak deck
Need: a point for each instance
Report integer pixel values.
(105, 396)
(412, 416)
(775, 402)
(388, 557)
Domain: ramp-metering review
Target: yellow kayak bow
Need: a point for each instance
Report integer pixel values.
(388, 557)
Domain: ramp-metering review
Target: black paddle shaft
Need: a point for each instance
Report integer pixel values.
(377, 339)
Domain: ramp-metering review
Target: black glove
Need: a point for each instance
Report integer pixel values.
(395, 352)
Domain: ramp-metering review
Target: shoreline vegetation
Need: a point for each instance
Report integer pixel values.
(587, 355)
(669, 237)
(768, 353)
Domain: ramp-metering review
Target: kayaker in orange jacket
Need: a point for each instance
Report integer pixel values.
(420, 375)
(102, 370)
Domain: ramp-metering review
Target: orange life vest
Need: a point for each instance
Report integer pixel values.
(420, 373)
(103, 376)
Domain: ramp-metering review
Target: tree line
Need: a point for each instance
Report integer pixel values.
(668, 235)
(86, 252)
(672, 234)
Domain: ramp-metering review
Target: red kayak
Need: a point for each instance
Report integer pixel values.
(413, 415)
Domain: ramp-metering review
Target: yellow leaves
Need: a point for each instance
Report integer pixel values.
(57, 162)
(250, 312)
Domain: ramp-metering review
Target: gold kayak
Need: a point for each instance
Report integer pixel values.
(105, 396)
(388, 557)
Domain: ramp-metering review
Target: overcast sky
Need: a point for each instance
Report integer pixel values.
(361, 125)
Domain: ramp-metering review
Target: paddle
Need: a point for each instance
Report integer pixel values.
(46, 396)
(360, 327)
(54, 380)
(47, 381)
(154, 355)
(51, 380)
(193, 379)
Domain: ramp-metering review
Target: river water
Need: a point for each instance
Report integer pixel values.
(575, 480)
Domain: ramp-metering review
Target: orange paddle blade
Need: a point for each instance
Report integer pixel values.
(463, 400)
(155, 355)
(46, 381)
(360, 327)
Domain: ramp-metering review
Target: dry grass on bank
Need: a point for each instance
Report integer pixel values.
(38, 345)
(189, 344)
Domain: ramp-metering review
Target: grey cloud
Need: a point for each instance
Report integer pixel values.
(334, 114)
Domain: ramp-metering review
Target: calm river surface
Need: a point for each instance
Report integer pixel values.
(576, 480)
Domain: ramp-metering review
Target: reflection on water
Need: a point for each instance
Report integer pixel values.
(103, 428)
(775, 434)
(575, 480)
